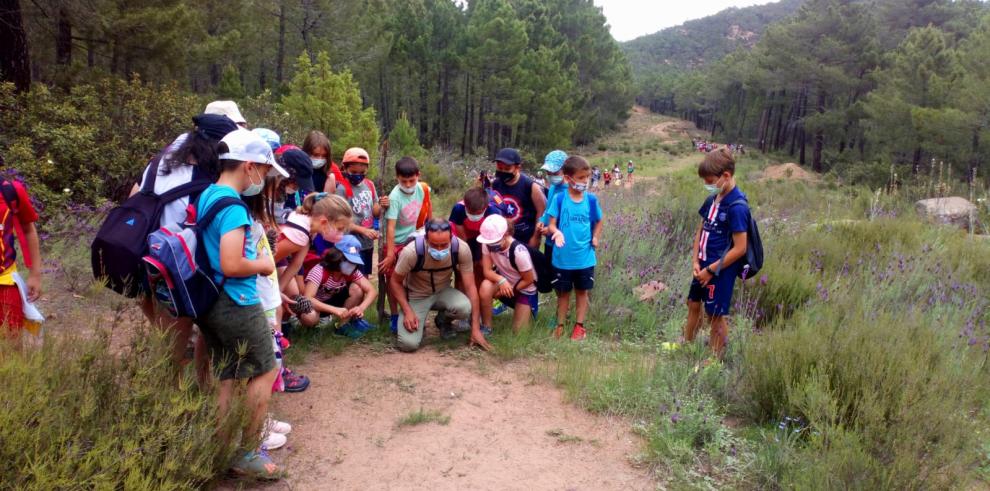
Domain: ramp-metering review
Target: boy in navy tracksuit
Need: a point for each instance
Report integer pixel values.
(719, 244)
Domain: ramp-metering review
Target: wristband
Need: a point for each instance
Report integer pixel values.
(709, 269)
(501, 282)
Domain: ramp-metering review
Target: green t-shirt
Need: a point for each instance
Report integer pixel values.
(404, 209)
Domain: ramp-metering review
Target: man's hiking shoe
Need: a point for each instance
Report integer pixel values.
(498, 307)
(461, 325)
(295, 382)
(275, 426)
(257, 464)
(559, 331)
(273, 441)
(579, 333)
(445, 327)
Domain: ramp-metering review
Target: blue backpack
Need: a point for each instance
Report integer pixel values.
(179, 270)
(752, 262)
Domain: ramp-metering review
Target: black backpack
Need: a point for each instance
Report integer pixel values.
(420, 245)
(541, 266)
(122, 241)
(752, 263)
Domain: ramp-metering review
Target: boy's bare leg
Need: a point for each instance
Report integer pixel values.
(693, 321)
(719, 335)
(581, 306)
(486, 295)
(563, 303)
(520, 316)
(259, 392)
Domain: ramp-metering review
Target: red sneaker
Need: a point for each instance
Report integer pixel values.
(579, 333)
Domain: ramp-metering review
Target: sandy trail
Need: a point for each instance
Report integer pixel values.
(507, 430)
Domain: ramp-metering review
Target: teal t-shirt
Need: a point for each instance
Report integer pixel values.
(404, 209)
(243, 291)
(576, 220)
(552, 193)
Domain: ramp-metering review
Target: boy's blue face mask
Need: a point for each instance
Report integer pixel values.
(713, 188)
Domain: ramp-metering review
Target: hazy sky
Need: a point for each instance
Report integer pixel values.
(633, 18)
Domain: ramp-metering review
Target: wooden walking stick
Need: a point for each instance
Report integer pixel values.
(382, 231)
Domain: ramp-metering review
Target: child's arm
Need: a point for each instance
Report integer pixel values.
(34, 251)
(694, 251)
(540, 203)
(295, 265)
(527, 278)
(386, 264)
(597, 232)
(310, 293)
(370, 294)
(555, 234)
(232, 260)
(369, 233)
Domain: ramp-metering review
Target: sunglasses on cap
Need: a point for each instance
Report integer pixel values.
(438, 226)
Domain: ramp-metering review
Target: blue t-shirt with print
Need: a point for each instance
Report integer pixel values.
(577, 221)
(244, 290)
(719, 222)
(552, 193)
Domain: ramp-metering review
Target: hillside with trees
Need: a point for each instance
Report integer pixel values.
(854, 87)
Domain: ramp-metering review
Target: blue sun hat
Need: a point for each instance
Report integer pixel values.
(269, 136)
(351, 248)
(554, 161)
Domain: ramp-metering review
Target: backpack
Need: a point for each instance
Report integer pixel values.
(427, 209)
(178, 268)
(541, 266)
(420, 244)
(13, 204)
(752, 263)
(122, 241)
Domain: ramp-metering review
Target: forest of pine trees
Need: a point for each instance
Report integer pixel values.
(471, 76)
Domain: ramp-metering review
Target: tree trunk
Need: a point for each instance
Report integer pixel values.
(816, 159)
(424, 110)
(974, 163)
(15, 63)
(280, 53)
(63, 38)
(467, 114)
(916, 161)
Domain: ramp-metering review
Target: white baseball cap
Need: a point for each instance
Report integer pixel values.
(247, 146)
(226, 108)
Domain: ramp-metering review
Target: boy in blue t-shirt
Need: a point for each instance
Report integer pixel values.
(575, 225)
(718, 245)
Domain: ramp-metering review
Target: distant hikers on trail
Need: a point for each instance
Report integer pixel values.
(234, 240)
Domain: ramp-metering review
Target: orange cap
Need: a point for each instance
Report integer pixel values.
(355, 155)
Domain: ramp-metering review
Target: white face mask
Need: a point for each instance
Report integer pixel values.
(317, 163)
(475, 218)
(255, 188)
(347, 268)
(408, 190)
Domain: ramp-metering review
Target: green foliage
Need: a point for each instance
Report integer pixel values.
(93, 141)
(230, 84)
(331, 102)
(92, 417)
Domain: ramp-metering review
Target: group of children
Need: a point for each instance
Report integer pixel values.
(609, 176)
(287, 233)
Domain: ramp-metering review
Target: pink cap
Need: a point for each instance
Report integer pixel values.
(493, 229)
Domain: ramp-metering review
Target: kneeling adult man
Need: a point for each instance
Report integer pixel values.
(421, 283)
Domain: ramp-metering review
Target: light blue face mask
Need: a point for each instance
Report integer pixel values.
(713, 188)
(555, 179)
(439, 254)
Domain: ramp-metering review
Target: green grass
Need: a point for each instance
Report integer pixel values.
(423, 416)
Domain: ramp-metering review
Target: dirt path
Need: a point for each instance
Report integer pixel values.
(506, 429)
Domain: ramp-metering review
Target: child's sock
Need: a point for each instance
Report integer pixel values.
(395, 323)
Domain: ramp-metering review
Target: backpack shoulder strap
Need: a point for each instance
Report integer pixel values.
(348, 189)
(10, 195)
(186, 189)
(323, 277)
(420, 244)
(512, 254)
(215, 209)
(152, 176)
(455, 246)
(592, 206)
(371, 186)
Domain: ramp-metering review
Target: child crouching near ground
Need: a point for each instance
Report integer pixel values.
(575, 225)
(719, 243)
(236, 331)
(509, 274)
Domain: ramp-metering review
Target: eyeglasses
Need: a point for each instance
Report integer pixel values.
(438, 226)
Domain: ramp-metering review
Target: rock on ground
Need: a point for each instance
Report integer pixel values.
(950, 211)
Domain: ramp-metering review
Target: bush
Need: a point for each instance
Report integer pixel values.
(77, 415)
(92, 141)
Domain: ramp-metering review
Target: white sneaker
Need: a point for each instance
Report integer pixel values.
(276, 426)
(274, 441)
